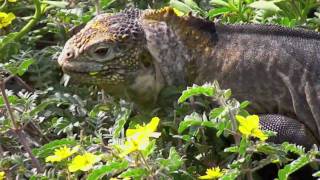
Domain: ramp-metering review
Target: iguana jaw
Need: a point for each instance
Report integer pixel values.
(81, 67)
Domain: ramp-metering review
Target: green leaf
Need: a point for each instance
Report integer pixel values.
(300, 150)
(227, 93)
(58, 4)
(186, 138)
(316, 174)
(244, 104)
(8, 46)
(232, 149)
(180, 6)
(230, 175)
(218, 11)
(206, 89)
(193, 5)
(221, 127)
(190, 120)
(244, 143)
(23, 67)
(11, 98)
(185, 124)
(288, 169)
(48, 149)
(174, 161)
(99, 173)
(121, 121)
(265, 5)
(209, 124)
(217, 113)
(219, 2)
(98, 108)
(43, 105)
(149, 149)
(135, 173)
(106, 3)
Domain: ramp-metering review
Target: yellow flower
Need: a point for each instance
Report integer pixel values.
(249, 126)
(2, 175)
(213, 173)
(83, 162)
(61, 154)
(138, 139)
(148, 130)
(6, 19)
(140, 143)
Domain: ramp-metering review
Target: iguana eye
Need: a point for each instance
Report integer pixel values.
(101, 51)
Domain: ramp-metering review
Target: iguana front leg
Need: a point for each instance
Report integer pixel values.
(288, 129)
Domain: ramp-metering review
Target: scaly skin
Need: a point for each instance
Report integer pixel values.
(137, 53)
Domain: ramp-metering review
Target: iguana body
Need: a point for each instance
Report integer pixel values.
(138, 53)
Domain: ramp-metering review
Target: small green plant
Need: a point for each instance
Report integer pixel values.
(228, 121)
(283, 12)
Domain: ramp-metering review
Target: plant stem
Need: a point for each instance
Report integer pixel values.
(28, 26)
(1, 151)
(233, 121)
(4, 5)
(146, 163)
(97, 5)
(7, 104)
(32, 22)
(18, 130)
(22, 83)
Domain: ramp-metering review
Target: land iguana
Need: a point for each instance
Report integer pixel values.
(139, 52)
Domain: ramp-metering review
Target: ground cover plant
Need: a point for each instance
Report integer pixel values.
(51, 129)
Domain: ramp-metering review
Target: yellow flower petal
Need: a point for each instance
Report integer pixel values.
(152, 126)
(205, 177)
(2, 175)
(249, 126)
(6, 19)
(138, 139)
(149, 128)
(12, 0)
(83, 162)
(241, 119)
(61, 154)
(259, 134)
(11, 16)
(244, 130)
(254, 120)
(213, 173)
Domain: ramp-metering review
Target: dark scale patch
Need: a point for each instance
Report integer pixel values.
(274, 30)
(125, 24)
(132, 13)
(202, 25)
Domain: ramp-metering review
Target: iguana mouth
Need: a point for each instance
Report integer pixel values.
(81, 67)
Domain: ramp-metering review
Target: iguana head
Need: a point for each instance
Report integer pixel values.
(110, 51)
